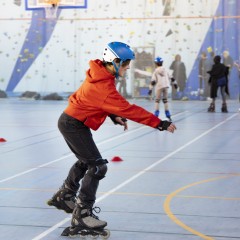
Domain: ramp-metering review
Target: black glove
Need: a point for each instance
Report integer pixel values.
(163, 125)
(149, 92)
(113, 117)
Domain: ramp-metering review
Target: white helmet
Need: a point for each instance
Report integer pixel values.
(118, 50)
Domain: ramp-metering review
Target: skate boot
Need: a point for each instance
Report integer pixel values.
(168, 115)
(156, 113)
(63, 199)
(211, 108)
(85, 223)
(224, 108)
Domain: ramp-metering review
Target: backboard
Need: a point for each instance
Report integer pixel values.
(62, 4)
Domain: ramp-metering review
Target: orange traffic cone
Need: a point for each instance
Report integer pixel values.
(116, 159)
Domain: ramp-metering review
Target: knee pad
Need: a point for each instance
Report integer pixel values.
(165, 100)
(99, 169)
(157, 100)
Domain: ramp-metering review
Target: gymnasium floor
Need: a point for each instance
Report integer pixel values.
(181, 186)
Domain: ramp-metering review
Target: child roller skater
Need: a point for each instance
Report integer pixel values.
(218, 79)
(88, 107)
(161, 80)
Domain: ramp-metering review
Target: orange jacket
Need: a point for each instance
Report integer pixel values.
(97, 98)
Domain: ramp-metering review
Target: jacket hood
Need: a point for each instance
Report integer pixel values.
(97, 72)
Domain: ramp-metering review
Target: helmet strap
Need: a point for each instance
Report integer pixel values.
(117, 68)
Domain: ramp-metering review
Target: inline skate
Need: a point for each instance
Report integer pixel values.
(63, 199)
(86, 224)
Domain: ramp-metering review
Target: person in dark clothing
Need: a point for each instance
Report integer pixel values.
(179, 74)
(218, 78)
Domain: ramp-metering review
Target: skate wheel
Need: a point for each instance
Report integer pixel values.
(49, 202)
(105, 234)
(95, 236)
(83, 236)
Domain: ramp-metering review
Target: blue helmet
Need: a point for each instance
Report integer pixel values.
(158, 60)
(118, 50)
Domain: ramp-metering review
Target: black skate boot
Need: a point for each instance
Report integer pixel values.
(224, 108)
(211, 108)
(85, 223)
(64, 199)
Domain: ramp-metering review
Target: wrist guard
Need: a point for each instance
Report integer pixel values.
(163, 125)
(113, 118)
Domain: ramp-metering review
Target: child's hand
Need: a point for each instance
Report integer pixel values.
(166, 126)
(123, 122)
(171, 128)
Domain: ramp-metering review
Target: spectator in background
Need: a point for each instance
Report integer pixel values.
(203, 76)
(228, 62)
(236, 64)
(209, 64)
(212, 55)
(179, 74)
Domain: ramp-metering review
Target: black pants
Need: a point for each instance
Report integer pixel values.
(214, 90)
(80, 141)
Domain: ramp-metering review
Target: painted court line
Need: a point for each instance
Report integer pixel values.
(71, 154)
(53, 228)
(167, 209)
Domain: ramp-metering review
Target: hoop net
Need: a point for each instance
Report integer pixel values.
(51, 8)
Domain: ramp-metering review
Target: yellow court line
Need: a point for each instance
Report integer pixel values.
(130, 194)
(175, 219)
(179, 196)
(28, 189)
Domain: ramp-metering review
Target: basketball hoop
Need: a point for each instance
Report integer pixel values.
(51, 8)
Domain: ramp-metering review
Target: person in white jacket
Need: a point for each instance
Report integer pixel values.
(161, 79)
